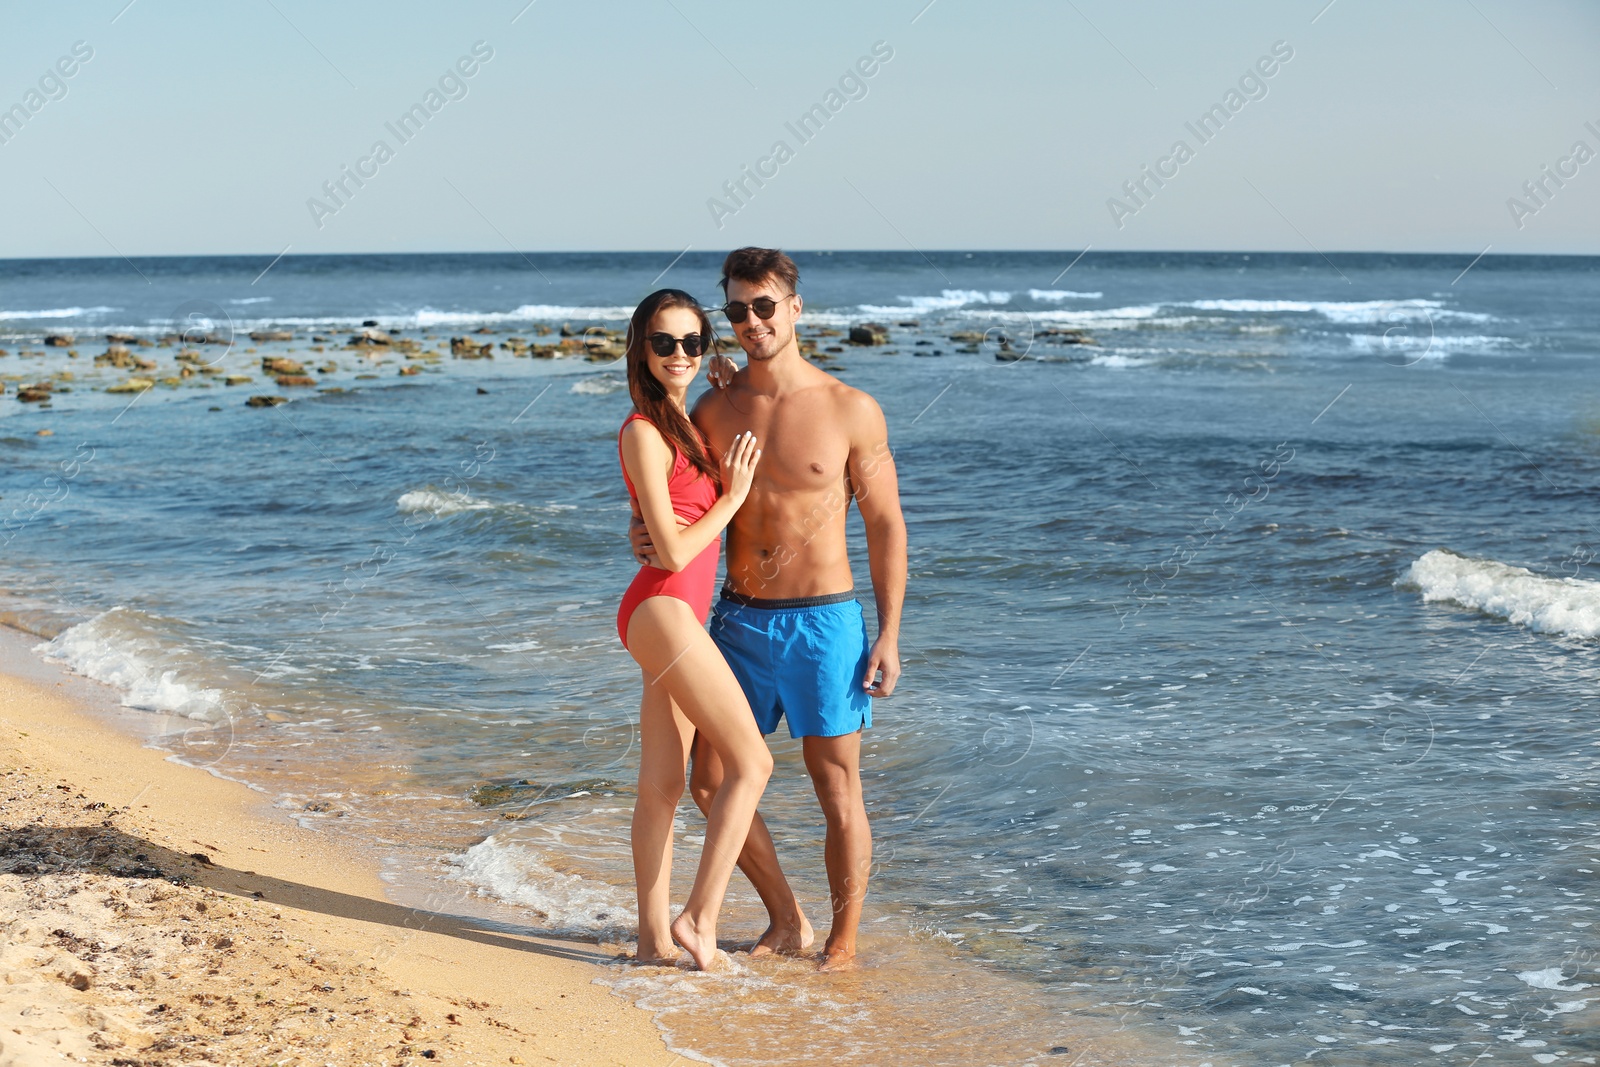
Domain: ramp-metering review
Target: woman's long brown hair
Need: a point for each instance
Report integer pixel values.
(649, 395)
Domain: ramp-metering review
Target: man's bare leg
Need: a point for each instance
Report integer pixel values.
(788, 930)
(835, 766)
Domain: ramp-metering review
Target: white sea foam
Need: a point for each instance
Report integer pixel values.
(426, 317)
(54, 313)
(1569, 606)
(954, 298)
(115, 648)
(1114, 360)
(521, 875)
(1352, 312)
(1552, 978)
(1422, 343)
(243, 301)
(948, 300)
(1120, 318)
(850, 318)
(438, 502)
(604, 385)
(1055, 296)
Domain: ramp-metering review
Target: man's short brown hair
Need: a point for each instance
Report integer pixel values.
(756, 265)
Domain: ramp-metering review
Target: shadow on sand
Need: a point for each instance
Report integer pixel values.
(41, 850)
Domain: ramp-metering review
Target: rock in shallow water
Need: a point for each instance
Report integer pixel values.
(281, 365)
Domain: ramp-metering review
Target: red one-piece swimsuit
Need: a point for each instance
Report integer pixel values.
(692, 494)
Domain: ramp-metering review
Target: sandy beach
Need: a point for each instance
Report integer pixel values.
(156, 914)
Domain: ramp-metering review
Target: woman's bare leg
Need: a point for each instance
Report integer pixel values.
(678, 655)
(664, 738)
(788, 930)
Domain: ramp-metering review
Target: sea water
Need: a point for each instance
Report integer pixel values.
(1248, 712)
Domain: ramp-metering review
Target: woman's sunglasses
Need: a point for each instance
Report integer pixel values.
(663, 344)
(737, 310)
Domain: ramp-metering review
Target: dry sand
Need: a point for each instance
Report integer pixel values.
(155, 914)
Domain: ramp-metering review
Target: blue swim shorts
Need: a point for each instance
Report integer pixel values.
(800, 659)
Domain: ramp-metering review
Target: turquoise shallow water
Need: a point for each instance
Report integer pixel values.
(1250, 650)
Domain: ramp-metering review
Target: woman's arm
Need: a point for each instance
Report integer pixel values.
(648, 460)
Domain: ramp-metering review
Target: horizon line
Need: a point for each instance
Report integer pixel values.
(284, 256)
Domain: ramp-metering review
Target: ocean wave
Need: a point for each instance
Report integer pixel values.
(604, 385)
(954, 298)
(568, 902)
(1568, 606)
(120, 649)
(425, 317)
(439, 503)
(847, 318)
(1132, 311)
(1055, 296)
(242, 301)
(1120, 318)
(861, 313)
(1432, 346)
(421, 319)
(1347, 312)
(948, 300)
(1114, 360)
(54, 313)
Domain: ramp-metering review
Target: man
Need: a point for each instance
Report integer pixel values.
(788, 621)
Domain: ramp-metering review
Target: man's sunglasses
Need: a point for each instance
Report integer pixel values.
(663, 344)
(737, 310)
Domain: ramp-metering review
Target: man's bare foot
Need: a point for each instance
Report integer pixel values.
(837, 960)
(702, 949)
(790, 939)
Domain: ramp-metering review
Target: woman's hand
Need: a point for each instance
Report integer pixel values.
(720, 371)
(739, 466)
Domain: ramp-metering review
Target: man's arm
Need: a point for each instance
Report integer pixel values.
(644, 550)
(877, 494)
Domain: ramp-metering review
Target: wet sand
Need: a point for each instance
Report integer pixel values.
(157, 914)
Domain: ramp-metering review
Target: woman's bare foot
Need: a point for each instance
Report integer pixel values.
(701, 948)
(665, 955)
(790, 939)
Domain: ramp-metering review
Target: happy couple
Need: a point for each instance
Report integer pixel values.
(774, 453)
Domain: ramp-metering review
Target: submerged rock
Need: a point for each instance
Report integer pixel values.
(370, 337)
(466, 348)
(1066, 335)
(869, 333)
(266, 401)
(281, 365)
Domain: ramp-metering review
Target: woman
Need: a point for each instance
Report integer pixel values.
(688, 686)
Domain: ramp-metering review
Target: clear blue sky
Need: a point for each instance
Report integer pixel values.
(204, 127)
